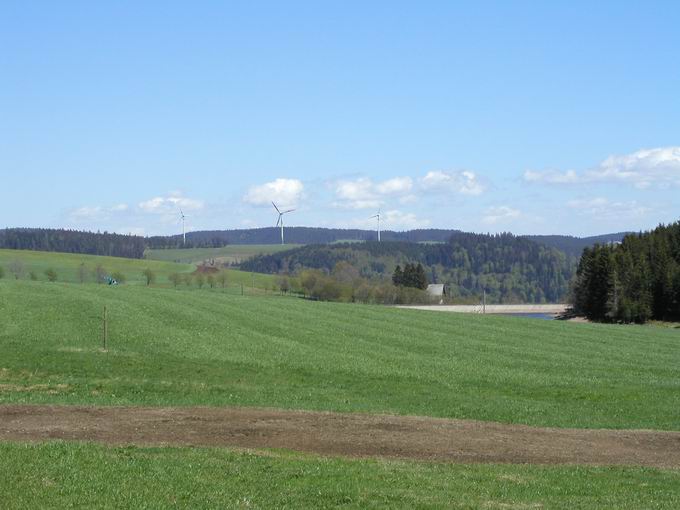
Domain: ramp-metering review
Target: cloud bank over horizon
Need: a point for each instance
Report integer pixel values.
(462, 199)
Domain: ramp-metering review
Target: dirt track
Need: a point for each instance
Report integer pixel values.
(354, 435)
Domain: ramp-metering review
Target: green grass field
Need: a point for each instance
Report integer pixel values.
(175, 347)
(232, 254)
(71, 475)
(214, 347)
(67, 267)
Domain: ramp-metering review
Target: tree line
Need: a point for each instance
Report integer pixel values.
(634, 281)
(95, 243)
(73, 241)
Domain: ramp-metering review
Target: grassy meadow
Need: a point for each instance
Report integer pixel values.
(232, 254)
(177, 347)
(72, 475)
(67, 267)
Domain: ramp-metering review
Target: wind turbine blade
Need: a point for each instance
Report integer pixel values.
(371, 217)
(277, 209)
(278, 222)
(289, 210)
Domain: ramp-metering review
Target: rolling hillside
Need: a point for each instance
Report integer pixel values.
(68, 269)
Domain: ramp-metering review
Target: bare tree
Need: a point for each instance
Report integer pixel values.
(149, 275)
(200, 280)
(222, 278)
(175, 279)
(100, 273)
(51, 274)
(284, 284)
(17, 268)
(211, 281)
(82, 272)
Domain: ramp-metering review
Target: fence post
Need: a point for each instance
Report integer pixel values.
(106, 327)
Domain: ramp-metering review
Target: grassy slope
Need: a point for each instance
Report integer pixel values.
(174, 347)
(85, 476)
(232, 253)
(67, 264)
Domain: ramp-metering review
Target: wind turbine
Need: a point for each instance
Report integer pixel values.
(184, 235)
(377, 216)
(280, 220)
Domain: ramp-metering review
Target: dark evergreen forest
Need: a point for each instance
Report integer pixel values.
(634, 281)
(73, 241)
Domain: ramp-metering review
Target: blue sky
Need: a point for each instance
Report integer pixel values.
(530, 117)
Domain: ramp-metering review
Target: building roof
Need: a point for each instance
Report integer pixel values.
(435, 289)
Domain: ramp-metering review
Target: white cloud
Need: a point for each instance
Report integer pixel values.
(363, 193)
(465, 182)
(645, 168)
(552, 177)
(285, 192)
(95, 213)
(357, 194)
(395, 186)
(170, 204)
(603, 208)
(500, 214)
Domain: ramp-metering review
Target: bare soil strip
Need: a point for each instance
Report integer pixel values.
(351, 435)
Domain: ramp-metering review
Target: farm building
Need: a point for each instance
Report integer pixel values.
(437, 291)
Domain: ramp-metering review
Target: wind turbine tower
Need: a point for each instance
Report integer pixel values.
(378, 217)
(184, 234)
(279, 222)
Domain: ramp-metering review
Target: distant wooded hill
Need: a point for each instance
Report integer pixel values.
(316, 235)
(96, 243)
(574, 246)
(73, 241)
(304, 235)
(508, 268)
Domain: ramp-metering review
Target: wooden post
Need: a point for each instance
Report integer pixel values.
(484, 302)
(106, 327)
(241, 289)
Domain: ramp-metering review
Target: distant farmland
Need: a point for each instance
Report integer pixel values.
(231, 254)
(67, 267)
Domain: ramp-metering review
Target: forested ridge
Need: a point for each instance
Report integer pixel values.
(73, 241)
(315, 235)
(94, 243)
(507, 267)
(634, 281)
